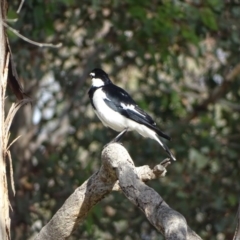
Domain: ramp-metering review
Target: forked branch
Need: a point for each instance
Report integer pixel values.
(31, 41)
(118, 165)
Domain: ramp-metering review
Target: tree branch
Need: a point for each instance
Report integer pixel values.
(145, 173)
(117, 164)
(5, 222)
(20, 6)
(78, 205)
(166, 220)
(31, 41)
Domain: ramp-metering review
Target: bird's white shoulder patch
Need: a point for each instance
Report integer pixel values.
(98, 98)
(97, 82)
(131, 107)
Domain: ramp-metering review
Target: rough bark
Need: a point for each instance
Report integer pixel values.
(118, 165)
(4, 207)
(167, 221)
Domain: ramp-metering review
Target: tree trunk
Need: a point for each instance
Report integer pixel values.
(4, 204)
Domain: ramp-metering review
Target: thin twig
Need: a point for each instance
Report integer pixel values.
(11, 172)
(11, 20)
(20, 6)
(13, 142)
(31, 41)
(11, 113)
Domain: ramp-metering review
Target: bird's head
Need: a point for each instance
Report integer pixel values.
(99, 77)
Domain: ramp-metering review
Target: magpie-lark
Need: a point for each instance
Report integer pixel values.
(117, 110)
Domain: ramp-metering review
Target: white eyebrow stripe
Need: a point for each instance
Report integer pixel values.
(131, 107)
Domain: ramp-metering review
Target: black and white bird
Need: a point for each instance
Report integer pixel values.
(117, 110)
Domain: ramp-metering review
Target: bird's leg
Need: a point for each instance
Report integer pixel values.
(119, 136)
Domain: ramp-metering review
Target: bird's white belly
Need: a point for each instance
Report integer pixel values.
(115, 120)
(109, 117)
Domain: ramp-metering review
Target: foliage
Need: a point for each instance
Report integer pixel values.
(171, 56)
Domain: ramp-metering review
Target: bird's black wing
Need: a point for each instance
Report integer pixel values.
(120, 101)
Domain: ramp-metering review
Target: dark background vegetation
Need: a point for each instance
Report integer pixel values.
(171, 56)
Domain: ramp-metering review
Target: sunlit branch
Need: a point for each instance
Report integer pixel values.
(31, 41)
(20, 6)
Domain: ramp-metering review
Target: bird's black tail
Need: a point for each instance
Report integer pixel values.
(161, 134)
(165, 148)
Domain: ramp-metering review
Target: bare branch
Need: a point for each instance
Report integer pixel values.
(12, 111)
(4, 59)
(145, 173)
(20, 6)
(31, 41)
(78, 205)
(117, 164)
(10, 144)
(11, 20)
(11, 172)
(166, 220)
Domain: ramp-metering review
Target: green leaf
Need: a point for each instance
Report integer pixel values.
(208, 18)
(138, 12)
(12, 14)
(216, 4)
(232, 199)
(189, 34)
